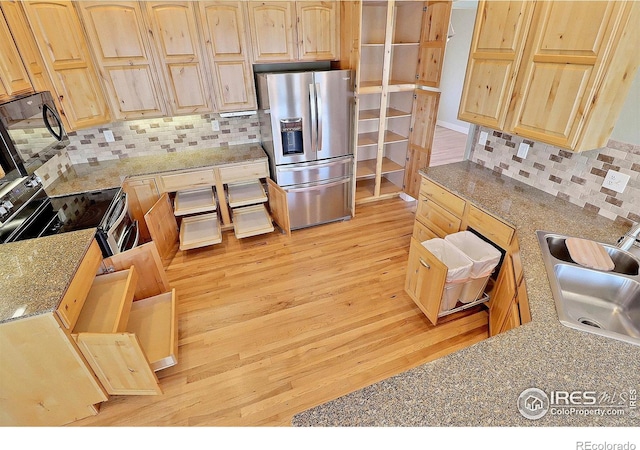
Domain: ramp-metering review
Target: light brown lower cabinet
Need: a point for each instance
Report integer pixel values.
(439, 213)
(124, 341)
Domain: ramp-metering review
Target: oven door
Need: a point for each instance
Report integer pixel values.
(117, 232)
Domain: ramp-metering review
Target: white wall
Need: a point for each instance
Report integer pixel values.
(455, 65)
(627, 127)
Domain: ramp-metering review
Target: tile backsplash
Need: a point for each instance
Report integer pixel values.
(575, 177)
(149, 137)
(160, 135)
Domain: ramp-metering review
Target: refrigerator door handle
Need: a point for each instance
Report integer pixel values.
(316, 186)
(319, 118)
(314, 117)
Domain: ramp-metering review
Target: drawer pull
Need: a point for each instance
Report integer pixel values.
(424, 263)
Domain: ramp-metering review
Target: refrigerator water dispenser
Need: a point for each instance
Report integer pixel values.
(291, 131)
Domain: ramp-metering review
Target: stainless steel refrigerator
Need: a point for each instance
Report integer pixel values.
(306, 127)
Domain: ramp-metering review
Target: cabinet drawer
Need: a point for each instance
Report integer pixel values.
(493, 229)
(74, 299)
(244, 172)
(187, 180)
(438, 219)
(421, 233)
(442, 197)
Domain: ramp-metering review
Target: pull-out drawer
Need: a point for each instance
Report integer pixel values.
(73, 300)
(438, 219)
(442, 197)
(490, 227)
(125, 342)
(187, 180)
(244, 172)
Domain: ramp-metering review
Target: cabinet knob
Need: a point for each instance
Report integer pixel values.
(424, 263)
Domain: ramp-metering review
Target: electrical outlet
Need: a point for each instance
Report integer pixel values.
(616, 181)
(108, 136)
(215, 125)
(523, 149)
(483, 137)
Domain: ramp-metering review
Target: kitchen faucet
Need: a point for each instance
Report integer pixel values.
(629, 238)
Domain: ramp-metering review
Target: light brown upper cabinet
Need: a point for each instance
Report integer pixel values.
(225, 39)
(496, 52)
(317, 25)
(553, 71)
(401, 49)
(60, 39)
(292, 31)
(117, 36)
(13, 74)
(26, 45)
(174, 33)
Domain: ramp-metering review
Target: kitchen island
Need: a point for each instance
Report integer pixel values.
(480, 385)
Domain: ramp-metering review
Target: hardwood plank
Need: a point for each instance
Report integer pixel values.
(270, 326)
(448, 146)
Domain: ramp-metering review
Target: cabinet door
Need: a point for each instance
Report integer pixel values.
(433, 42)
(119, 362)
(13, 75)
(503, 299)
(496, 50)
(180, 57)
(565, 58)
(145, 258)
(423, 125)
(317, 30)
(62, 44)
(163, 226)
(142, 195)
(27, 47)
(223, 27)
(272, 33)
(118, 38)
(279, 206)
(425, 281)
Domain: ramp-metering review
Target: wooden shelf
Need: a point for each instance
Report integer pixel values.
(367, 168)
(200, 231)
(369, 114)
(251, 221)
(107, 306)
(365, 139)
(389, 166)
(242, 194)
(153, 320)
(194, 201)
(365, 189)
(390, 136)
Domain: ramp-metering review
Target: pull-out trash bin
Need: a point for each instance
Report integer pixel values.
(458, 270)
(484, 256)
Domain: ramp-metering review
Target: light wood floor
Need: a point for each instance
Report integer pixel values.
(270, 326)
(448, 146)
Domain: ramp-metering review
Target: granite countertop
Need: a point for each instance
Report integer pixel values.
(35, 273)
(480, 385)
(110, 174)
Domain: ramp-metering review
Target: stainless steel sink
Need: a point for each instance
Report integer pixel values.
(594, 301)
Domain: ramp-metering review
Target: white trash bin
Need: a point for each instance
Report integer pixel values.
(458, 270)
(484, 256)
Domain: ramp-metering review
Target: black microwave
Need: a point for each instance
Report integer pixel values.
(31, 133)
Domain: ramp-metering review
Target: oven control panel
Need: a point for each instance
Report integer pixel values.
(16, 195)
